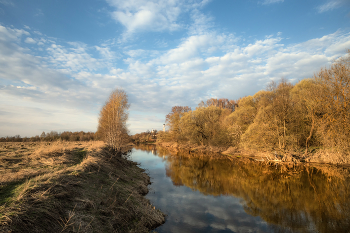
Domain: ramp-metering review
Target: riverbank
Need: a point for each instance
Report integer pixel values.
(72, 187)
(314, 156)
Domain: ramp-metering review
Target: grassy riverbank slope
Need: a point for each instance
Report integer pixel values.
(72, 187)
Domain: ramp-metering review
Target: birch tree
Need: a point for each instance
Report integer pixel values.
(112, 121)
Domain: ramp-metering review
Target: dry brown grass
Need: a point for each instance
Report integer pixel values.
(72, 187)
(25, 160)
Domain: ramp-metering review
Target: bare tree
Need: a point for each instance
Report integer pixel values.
(112, 122)
(221, 103)
(173, 120)
(335, 125)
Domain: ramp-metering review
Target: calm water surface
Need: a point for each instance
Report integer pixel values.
(202, 194)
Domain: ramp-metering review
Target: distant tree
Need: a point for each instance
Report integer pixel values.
(221, 103)
(35, 139)
(52, 136)
(244, 115)
(283, 113)
(173, 119)
(18, 138)
(112, 122)
(273, 125)
(204, 126)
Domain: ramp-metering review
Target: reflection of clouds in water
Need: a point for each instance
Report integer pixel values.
(219, 226)
(191, 211)
(235, 228)
(194, 221)
(191, 190)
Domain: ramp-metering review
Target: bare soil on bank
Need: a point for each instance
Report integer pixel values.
(72, 187)
(314, 156)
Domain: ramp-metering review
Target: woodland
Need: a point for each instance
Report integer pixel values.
(313, 114)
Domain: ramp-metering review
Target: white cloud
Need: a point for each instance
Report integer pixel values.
(261, 46)
(330, 5)
(147, 15)
(201, 23)
(11, 35)
(106, 52)
(7, 2)
(333, 45)
(38, 33)
(30, 40)
(74, 58)
(193, 47)
(151, 15)
(266, 2)
(137, 53)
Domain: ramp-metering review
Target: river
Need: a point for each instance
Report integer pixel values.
(201, 193)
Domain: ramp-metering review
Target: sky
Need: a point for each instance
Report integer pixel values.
(61, 59)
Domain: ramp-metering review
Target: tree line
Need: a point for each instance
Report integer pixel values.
(144, 137)
(315, 112)
(53, 136)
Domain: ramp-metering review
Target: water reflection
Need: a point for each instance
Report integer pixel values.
(288, 199)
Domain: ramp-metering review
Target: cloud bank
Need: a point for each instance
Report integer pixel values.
(39, 72)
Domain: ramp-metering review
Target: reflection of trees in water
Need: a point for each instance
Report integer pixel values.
(305, 199)
(149, 148)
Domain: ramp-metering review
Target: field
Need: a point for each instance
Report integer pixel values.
(72, 187)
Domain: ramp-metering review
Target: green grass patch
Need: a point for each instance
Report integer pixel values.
(8, 191)
(80, 154)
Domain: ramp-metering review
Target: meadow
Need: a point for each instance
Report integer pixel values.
(72, 187)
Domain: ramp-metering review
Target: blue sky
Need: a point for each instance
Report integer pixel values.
(60, 59)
